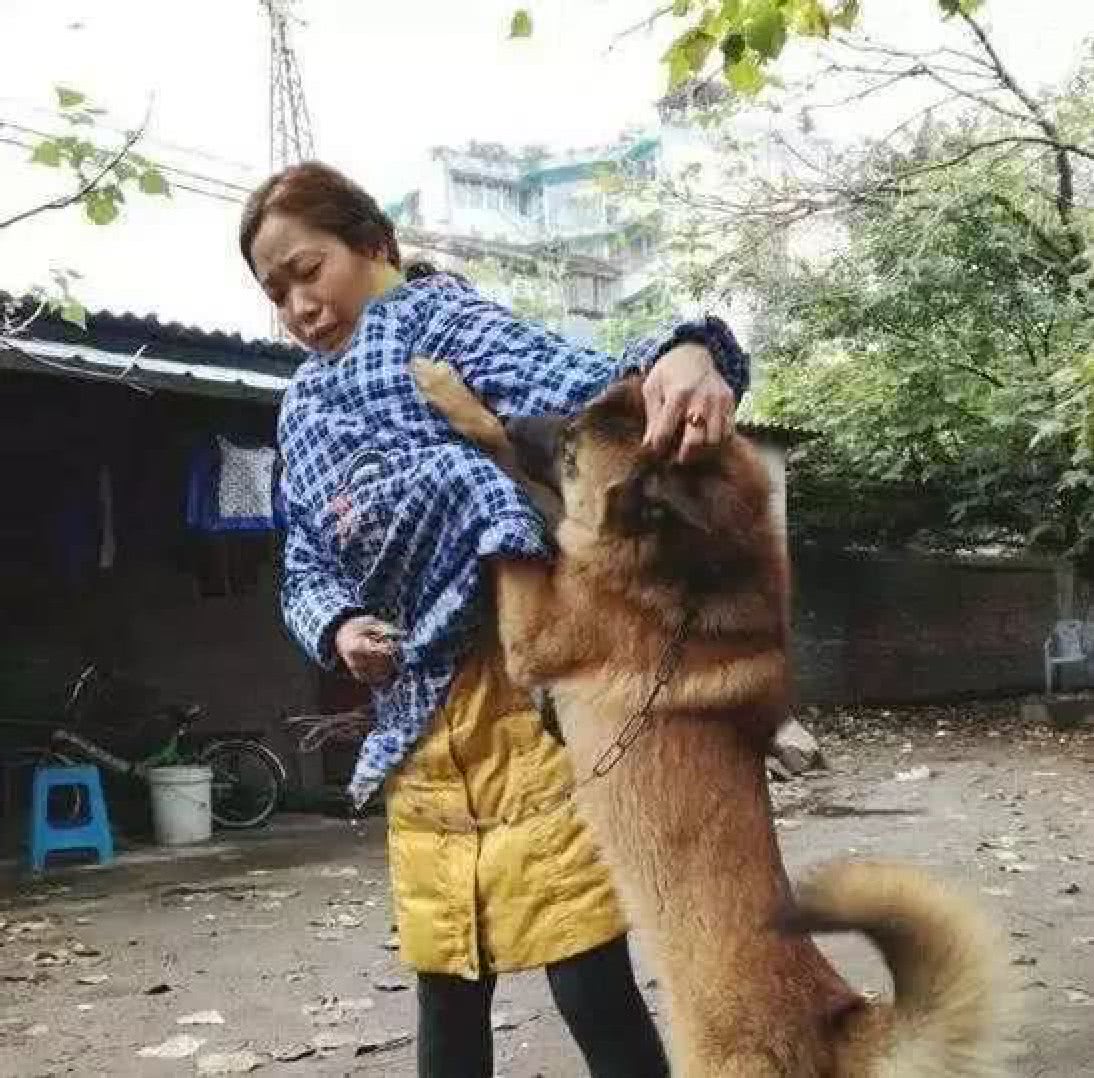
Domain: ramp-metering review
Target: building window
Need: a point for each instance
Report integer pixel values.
(475, 193)
(589, 294)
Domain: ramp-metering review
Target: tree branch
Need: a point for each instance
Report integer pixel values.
(643, 24)
(84, 189)
(1065, 177)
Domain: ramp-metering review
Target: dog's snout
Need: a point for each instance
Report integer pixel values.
(536, 441)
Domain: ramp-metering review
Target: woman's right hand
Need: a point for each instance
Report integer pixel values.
(368, 647)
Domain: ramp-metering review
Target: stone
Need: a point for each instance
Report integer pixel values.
(796, 748)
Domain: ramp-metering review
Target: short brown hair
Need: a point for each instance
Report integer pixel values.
(326, 200)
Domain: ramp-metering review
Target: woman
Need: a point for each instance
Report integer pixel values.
(390, 518)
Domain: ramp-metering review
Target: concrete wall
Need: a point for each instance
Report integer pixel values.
(891, 629)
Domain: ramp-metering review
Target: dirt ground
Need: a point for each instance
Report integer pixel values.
(287, 936)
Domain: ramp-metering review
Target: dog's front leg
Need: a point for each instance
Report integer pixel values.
(536, 634)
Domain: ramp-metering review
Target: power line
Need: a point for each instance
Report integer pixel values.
(181, 178)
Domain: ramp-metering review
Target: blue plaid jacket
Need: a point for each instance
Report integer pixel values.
(388, 513)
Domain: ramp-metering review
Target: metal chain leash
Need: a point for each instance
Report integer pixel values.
(631, 730)
(633, 727)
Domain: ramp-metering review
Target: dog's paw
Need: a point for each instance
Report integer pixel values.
(433, 376)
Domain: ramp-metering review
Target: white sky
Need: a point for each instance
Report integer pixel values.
(384, 81)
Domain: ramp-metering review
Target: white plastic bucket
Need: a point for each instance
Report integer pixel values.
(182, 799)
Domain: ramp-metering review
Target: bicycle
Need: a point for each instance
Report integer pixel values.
(249, 778)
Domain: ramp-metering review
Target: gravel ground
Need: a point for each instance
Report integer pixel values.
(287, 935)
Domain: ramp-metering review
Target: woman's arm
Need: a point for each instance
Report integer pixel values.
(316, 597)
(523, 369)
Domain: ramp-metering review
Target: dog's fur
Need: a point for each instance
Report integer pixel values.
(684, 817)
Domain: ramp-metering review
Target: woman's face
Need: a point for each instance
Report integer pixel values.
(317, 283)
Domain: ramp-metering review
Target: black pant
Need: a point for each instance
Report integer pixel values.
(596, 994)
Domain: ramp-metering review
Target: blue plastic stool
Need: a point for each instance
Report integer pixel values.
(90, 832)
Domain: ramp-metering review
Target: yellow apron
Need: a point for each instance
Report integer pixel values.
(492, 871)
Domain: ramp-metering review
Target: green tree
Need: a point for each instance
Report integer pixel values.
(945, 360)
(924, 297)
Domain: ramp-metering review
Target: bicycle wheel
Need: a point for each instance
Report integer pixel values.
(248, 780)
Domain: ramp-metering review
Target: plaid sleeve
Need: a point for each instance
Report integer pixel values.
(315, 595)
(522, 368)
(729, 358)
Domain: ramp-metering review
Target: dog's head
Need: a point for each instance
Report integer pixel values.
(686, 519)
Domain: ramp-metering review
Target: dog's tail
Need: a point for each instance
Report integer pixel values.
(952, 1011)
(446, 391)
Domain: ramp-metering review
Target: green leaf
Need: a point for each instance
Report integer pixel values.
(846, 14)
(766, 33)
(679, 68)
(745, 76)
(680, 8)
(734, 48)
(521, 26)
(47, 153)
(696, 45)
(152, 182)
(810, 18)
(101, 209)
(69, 99)
(959, 7)
(74, 313)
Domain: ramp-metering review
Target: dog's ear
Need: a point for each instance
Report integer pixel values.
(654, 497)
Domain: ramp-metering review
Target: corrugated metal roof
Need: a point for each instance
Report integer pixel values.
(150, 355)
(144, 371)
(126, 332)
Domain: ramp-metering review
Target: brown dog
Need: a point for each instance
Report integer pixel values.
(680, 570)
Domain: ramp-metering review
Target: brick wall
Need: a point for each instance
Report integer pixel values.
(891, 629)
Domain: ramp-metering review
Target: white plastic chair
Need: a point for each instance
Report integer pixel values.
(1065, 644)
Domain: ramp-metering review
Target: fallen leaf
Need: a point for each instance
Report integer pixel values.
(915, 774)
(82, 950)
(1024, 960)
(241, 1062)
(158, 990)
(388, 1044)
(390, 986)
(201, 1018)
(38, 976)
(331, 1011)
(293, 1053)
(329, 1041)
(30, 928)
(50, 958)
(181, 1047)
(1071, 889)
(503, 1022)
(93, 978)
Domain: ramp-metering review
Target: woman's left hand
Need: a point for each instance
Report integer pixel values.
(684, 391)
